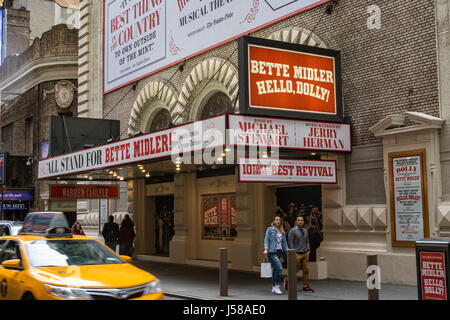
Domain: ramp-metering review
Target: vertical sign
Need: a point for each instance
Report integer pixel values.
(224, 210)
(2, 168)
(432, 276)
(1, 35)
(103, 216)
(409, 215)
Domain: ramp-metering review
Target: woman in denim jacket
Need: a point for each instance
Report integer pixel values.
(274, 245)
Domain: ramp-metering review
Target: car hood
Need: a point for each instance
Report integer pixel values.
(93, 276)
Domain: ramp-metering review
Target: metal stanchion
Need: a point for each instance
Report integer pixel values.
(223, 272)
(372, 260)
(292, 274)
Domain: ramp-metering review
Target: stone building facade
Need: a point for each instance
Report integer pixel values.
(395, 85)
(28, 83)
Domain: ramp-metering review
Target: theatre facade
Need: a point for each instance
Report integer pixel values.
(246, 112)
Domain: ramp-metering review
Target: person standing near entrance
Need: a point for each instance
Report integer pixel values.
(126, 236)
(298, 240)
(274, 245)
(111, 233)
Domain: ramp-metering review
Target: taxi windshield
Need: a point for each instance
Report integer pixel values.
(62, 253)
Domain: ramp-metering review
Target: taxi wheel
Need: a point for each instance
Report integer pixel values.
(28, 296)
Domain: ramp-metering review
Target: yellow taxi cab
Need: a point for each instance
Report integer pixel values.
(46, 262)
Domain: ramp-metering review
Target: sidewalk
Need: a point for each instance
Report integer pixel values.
(201, 283)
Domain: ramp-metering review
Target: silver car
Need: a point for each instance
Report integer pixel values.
(10, 228)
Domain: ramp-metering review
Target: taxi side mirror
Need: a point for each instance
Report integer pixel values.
(13, 264)
(126, 258)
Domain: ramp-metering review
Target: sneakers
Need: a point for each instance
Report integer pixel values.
(308, 289)
(276, 290)
(286, 284)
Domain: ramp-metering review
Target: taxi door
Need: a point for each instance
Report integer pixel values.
(11, 282)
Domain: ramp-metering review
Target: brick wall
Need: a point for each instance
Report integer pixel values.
(384, 71)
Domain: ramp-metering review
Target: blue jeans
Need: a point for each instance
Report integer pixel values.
(277, 267)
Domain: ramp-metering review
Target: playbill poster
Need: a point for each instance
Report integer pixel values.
(408, 198)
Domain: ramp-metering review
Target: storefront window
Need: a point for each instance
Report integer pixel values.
(219, 216)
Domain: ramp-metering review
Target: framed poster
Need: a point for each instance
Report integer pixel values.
(219, 216)
(408, 197)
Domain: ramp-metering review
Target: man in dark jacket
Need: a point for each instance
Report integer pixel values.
(298, 240)
(111, 233)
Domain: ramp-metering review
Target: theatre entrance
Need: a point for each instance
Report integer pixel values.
(306, 201)
(164, 224)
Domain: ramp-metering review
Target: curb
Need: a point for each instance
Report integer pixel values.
(188, 297)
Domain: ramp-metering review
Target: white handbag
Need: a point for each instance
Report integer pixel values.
(266, 269)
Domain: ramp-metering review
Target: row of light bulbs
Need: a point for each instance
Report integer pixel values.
(141, 167)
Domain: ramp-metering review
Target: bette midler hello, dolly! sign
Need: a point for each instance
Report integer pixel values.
(284, 79)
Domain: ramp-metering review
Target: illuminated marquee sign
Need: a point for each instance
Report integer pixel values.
(285, 79)
(205, 134)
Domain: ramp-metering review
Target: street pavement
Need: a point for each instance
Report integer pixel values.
(190, 282)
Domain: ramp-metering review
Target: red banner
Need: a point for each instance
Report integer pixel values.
(223, 210)
(84, 192)
(432, 274)
(210, 217)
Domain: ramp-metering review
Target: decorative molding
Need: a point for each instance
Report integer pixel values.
(298, 35)
(154, 91)
(364, 217)
(217, 69)
(332, 217)
(349, 217)
(443, 216)
(379, 217)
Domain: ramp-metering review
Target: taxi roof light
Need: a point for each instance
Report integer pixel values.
(58, 232)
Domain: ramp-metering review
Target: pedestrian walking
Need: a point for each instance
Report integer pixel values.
(111, 233)
(315, 234)
(126, 236)
(298, 240)
(274, 245)
(77, 229)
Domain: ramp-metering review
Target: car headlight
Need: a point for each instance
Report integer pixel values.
(67, 293)
(153, 287)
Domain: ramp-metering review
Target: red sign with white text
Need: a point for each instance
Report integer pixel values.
(432, 276)
(291, 80)
(84, 191)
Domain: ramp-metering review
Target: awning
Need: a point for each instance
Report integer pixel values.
(176, 149)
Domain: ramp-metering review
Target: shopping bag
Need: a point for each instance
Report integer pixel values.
(266, 269)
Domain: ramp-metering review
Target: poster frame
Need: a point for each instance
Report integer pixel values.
(424, 186)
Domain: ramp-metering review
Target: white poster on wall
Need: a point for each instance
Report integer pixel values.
(408, 198)
(144, 36)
